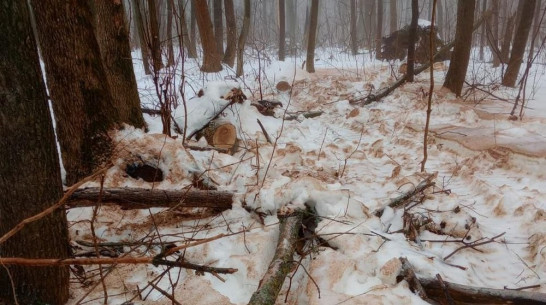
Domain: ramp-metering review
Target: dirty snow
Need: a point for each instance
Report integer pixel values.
(346, 164)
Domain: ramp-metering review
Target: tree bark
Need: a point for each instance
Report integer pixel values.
(493, 26)
(231, 29)
(113, 39)
(463, 42)
(218, 27)
(282, 262)
(410, 71)
(242, 39)
(139, 198)
(154, 37)
(393, 16)
(77, 85)
(484, 31)
(29, 167)
(379, 27)
(507, 40)
(353, 32)
(211, 58)
(170, 49)
(311, 41)
(526, 9)
(536, 28)
(185, 39)
(139, 24)
(282, 30)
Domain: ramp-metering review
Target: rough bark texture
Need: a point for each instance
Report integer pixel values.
(138, 198)
(282, 30)
(113, 39)
(170, 49)
(211, 58)
(311, 41)
(282, 262)
(218, 27)
(231, 31)
(77, 85)
(462, 294)
(379, 27)
(139, 24)
(242, 39)
(493, 32)
(463, 42)
(354, 41)
(412, 37)
(154, 36)
(185, 40)
(526, 9)
(29, 167)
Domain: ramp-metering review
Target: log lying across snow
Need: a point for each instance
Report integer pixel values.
(139, 198)
(282, 262)
(462, 294)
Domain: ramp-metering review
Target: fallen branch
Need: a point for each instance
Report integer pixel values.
(473, 245)
(206, 148)
(462, 294)
(282, 262)
(402, 199)
(290, 116)
(365, 100)
(48, 262)
(139, 198)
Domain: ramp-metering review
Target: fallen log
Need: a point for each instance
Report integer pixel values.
(365, 100)
(462, 294)
(402, 199)
(139, 198)
(221, 135)
(282, 262)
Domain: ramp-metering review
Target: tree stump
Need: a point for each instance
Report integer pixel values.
(221, 135)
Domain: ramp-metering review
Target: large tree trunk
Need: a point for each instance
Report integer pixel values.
(139, 24)
(440, 23)
(493, 27)
(154, 36)
(77, 85)
(393, 10)
(242, 39)
(484, 30)
(113, 40)
(292, 24)
(282, 30)
(379, 27)
(354, 40)
(29, 167)
(170, 49)
(211, 58)
(536, 28)
(463, 42)
(526, 9)
(231, 29)
(311, 42)
(410, 71)
(218, 27)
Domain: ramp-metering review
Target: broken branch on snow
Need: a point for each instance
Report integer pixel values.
(402, 199)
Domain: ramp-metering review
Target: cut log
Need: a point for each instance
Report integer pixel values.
(463, 294)
(139, 198)
(282, 262)
(221, 135)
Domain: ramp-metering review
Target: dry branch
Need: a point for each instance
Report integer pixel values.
(402, 199)
(139, 198)
(282, 262)
(290, 116)
(43, 262)
(463, 294)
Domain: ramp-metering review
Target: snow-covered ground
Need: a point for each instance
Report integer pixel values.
(490, 175)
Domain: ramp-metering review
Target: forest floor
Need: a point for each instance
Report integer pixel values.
(490, 175)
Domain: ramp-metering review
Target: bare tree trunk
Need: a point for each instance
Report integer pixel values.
(211, 58)
(379, 27)
(313, 24)
(536, 28)
(484, 30)
(139, 24)
(113, 40)
(507, 39)
(393, 16)
(441, 23)
(184, 39)
(193, 26)
(29, 167)
(242, 39)
(76, 81)
(231, 29)
(282, 31)
(463, 42)
(410, 71)
(154, 33)
(218, 27)
(170, 49)
(292, 24)
(494, 28)
(354, 41)
(526, 9)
